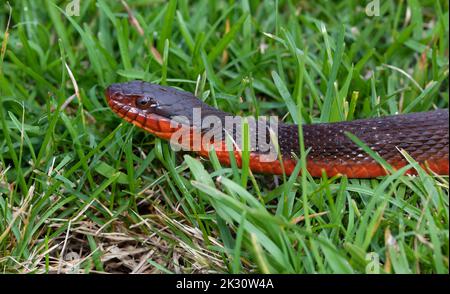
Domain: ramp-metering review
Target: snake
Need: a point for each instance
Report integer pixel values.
(164, 111)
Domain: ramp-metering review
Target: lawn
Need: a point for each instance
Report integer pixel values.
(82, 191)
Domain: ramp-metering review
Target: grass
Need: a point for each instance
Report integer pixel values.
(83, 191)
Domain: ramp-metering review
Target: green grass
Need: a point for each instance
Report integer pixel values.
(83, 191)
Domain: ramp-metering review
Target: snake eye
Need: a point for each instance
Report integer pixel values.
(145, 102)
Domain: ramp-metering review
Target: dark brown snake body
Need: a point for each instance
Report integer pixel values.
(424, 135)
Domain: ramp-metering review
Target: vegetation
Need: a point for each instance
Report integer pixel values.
(83, 191)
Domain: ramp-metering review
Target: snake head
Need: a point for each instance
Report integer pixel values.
(131, 96)
(146, 98)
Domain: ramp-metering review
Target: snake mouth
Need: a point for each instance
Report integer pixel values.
(124, 106)
(114, 95)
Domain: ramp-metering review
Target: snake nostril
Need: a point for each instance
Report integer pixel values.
(114, 93)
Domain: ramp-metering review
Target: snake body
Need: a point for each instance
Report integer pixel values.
(424, 135)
